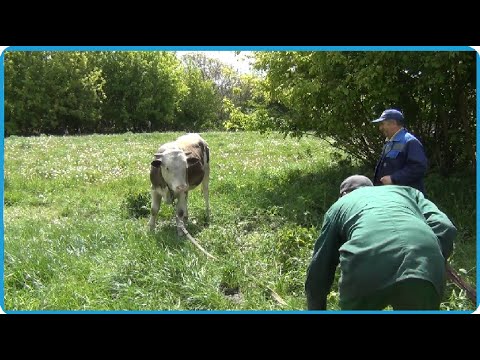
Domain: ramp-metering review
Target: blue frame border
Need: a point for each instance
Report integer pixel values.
(223, 48)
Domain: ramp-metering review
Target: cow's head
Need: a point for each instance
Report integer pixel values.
(173, 165)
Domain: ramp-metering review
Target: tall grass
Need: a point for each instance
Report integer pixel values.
(76, 213)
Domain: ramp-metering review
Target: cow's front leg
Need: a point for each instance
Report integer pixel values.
(181, 212)
(156, 201)
(205, 182)
(185, 215)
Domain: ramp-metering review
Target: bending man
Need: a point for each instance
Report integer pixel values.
(391, 243)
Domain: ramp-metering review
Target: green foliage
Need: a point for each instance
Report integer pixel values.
(336, 94)
(198, 105)
(142, 89)
(76, 219)
(57, 92)
(49, 92)
(250, 112)
(237, 120)
(228, 85)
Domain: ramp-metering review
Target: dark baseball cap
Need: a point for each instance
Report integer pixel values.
(390, 114)
(354, 182)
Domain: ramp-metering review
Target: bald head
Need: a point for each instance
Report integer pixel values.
(354, 182)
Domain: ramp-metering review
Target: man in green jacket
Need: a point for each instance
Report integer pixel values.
(391, 243)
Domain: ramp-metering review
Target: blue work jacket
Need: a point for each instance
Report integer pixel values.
(404, 159)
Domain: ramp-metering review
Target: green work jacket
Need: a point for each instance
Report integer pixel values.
(379, 235)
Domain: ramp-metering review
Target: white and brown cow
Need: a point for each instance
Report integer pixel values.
(178, 167)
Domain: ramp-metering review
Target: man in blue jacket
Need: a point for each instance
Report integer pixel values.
(403, 160)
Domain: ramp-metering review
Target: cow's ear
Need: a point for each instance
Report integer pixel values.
(192, 161)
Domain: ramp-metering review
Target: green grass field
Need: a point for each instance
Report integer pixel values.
(76, 212)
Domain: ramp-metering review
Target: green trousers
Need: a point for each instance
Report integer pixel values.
(408, 294)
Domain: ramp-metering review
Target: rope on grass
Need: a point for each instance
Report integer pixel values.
(277, 297)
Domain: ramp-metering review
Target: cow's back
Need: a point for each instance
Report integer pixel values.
(193, 143)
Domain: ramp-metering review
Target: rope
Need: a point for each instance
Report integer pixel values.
(192, 239)
(277, 297)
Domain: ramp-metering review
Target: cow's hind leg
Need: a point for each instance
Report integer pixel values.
(156, 201)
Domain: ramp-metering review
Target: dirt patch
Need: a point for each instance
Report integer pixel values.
(231, 292)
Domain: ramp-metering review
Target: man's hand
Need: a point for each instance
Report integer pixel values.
(386, 180)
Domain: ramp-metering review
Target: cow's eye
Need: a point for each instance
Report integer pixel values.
(167, 168)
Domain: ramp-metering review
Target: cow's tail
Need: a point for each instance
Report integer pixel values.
(195, 242)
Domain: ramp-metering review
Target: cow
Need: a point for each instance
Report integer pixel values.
(178, 167)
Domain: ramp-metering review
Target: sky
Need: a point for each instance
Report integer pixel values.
(239, 62)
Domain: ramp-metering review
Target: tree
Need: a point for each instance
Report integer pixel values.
(23, 98)
(230, 87)
(141, 90)
(47, 92)
(198, 105)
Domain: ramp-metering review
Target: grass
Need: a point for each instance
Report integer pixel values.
(76, 212)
